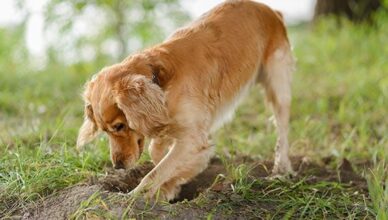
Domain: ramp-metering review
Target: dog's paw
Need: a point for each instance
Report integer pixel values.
(170, 191)
(282, 177)
(160, 194)
(283, 169)
(135, 192)
(147, 195)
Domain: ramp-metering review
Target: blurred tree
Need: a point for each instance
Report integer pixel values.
(106, 30)
(120, 26)
(355, 10)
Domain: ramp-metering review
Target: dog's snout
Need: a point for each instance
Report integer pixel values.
(119, 165)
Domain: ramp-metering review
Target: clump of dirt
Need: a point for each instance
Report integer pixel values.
(115, 184)
(123, 181)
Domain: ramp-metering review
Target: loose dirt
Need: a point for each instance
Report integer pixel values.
(107, 194)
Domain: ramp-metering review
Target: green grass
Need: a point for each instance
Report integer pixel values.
(340, 107)
(275, 199)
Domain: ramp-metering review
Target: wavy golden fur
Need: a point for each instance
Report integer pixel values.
(178, 92)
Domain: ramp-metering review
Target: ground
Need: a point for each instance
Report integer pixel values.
(338, 139)
(252, 194)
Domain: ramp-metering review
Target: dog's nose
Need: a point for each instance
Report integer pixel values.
(119, 165)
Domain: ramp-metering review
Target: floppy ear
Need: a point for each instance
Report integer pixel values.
(88, 130)
(143, 103)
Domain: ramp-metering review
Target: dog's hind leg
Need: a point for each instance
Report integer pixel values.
(277, 83)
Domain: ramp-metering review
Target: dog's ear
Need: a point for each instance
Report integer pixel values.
(89, 129)
(143, 103)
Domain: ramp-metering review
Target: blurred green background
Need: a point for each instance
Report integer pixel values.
(340, 93)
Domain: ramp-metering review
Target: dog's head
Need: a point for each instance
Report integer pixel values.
(123, 101)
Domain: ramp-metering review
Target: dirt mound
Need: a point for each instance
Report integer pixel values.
(61, 205)
(108, 193)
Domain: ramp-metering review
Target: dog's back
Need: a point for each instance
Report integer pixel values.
(221, 54)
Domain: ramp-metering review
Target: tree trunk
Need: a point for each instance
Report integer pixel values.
(355, 10)
(119, 8)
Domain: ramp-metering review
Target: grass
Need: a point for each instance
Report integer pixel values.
(340, 102)
(274, 199)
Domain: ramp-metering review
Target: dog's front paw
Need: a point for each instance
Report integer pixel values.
(150, 194)
(166, 192)
(140, 192)
(170, 190)
(135, 192)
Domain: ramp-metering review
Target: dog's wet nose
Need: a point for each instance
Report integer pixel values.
(119, 165)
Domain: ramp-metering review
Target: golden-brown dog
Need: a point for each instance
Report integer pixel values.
(180, 91)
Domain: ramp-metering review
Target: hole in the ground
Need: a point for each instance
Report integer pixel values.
(202, 182)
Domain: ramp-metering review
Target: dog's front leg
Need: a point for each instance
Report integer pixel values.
(185, 158)
(158, 148)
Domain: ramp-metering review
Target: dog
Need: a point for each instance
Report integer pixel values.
(179, 92)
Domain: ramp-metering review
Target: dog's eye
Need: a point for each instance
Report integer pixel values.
(119, 127)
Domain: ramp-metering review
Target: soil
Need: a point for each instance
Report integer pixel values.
(112, 189)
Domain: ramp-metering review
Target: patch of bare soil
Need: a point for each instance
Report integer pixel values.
(112, 187)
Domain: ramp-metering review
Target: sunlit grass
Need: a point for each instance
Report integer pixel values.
(378, 184)
(30, 174)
